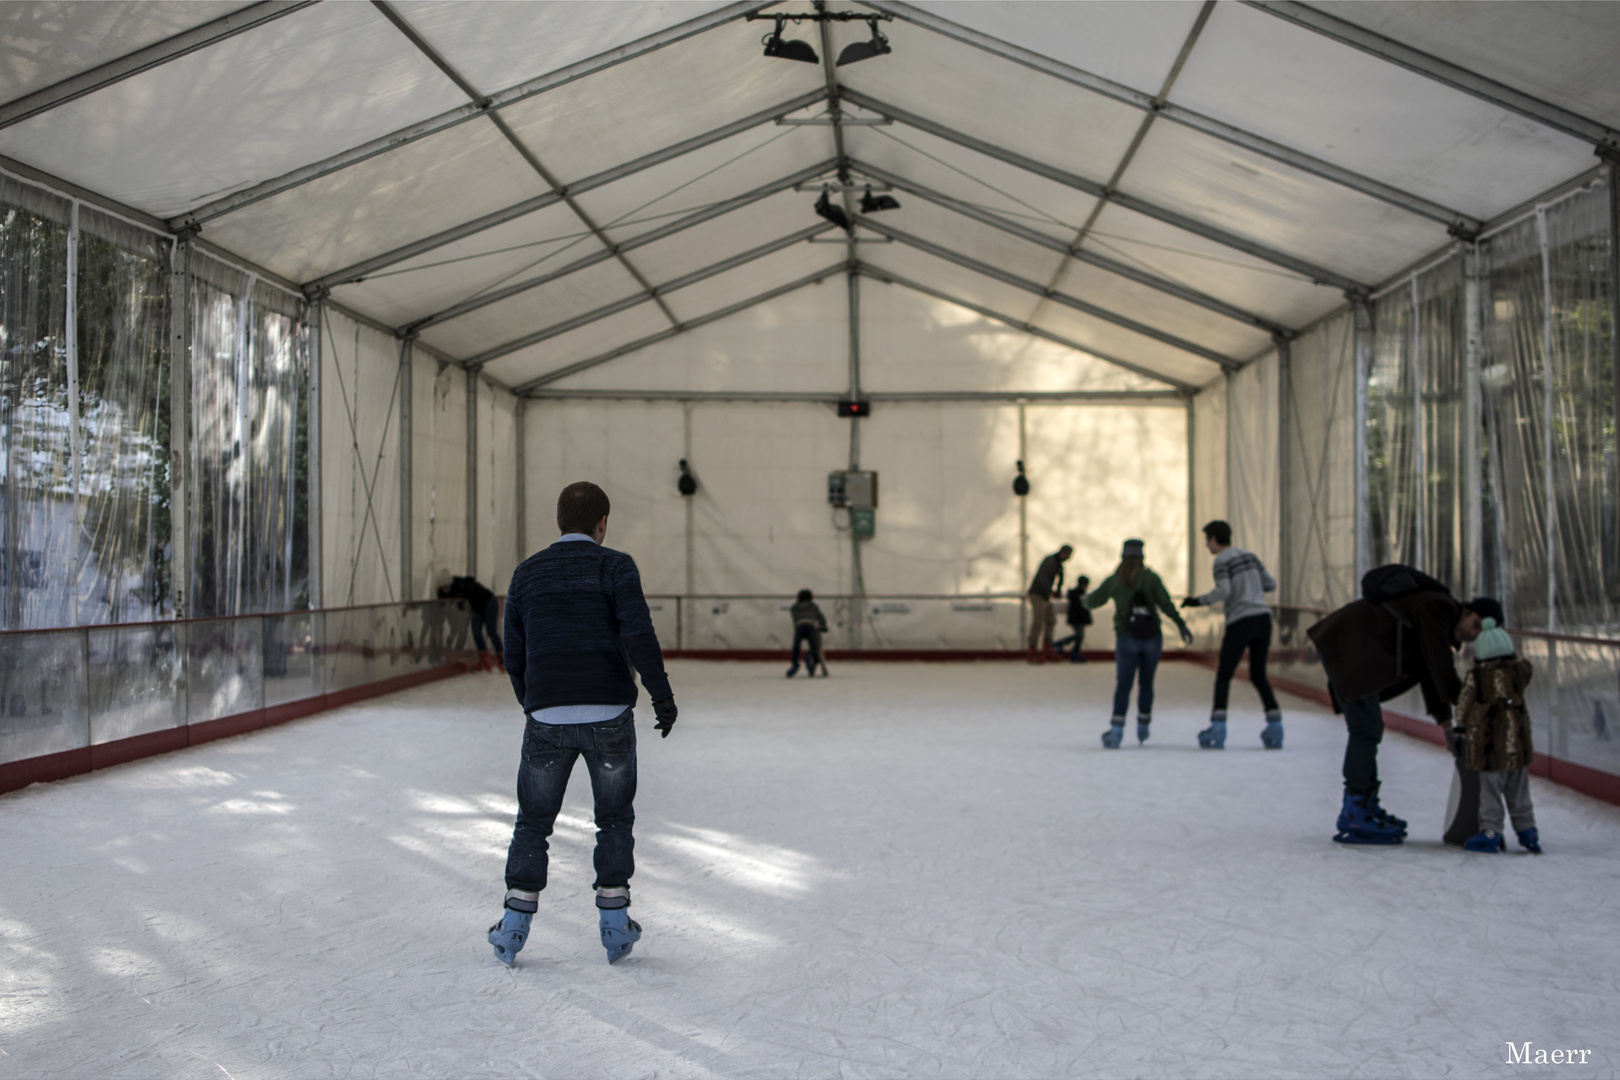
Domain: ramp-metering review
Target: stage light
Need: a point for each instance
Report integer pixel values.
(865, 50)
(834, 214)
(792, 48)
(1021, 482)
(687, 484)
(871, 204)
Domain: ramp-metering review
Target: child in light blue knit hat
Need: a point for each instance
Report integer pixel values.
(1492, 737)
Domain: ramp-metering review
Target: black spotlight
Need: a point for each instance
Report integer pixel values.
(865, 50)
(871, 204)
(792, 49)
(1020, 482)
(687, 484)
(834, 214)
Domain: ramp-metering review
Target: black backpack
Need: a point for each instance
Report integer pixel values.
(1143, 623)
(1382, 584)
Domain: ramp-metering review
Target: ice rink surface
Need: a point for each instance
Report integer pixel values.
(903, 870)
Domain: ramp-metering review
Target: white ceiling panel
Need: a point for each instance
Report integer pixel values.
(760, 276)
(1003, 103)
(733, 234)
(797, 342)
(1124, 40)
(970, 238)
(248, 108)
(415, 191)
(1309, 92)
(497, 45)
(528, 247)
(642, 202)
(1560, 52)
(967, 352)
(1256, 198)
(636, 323)
(952, 280)
(986, 182)
(550, 304)
(1161, 310)
(1093, 333)
(42, 43)
(1211, 268)
(657, 100)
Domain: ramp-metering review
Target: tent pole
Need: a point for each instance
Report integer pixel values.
(472, 474)
(1024, 614)
(857, 578)
(1548, 445)
(407, 436)
(1192, 488)
(180, 432)
(1285, 413)
(520, 476)
(1363, 359)
(691, 515)
(1473, 465)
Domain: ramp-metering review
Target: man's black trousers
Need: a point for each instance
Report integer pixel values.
(1253, 636)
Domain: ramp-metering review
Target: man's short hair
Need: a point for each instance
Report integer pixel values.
(580, 507)
(1220, 532)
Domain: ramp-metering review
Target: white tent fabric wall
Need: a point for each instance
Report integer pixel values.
(438, 474)
(1253, 503)
(1319, 445)
(497, 487)
(1209, 474)
(360, 381)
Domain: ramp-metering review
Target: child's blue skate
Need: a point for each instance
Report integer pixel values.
(1384, 817)
(1114, 735)
(1530, 840)
(1144, 725)
(619, 933)
(1214, 736)
(1357, 825)
(1486, 841)
(509, 934)
(1272, 736)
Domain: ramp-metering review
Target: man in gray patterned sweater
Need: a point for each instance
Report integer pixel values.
(576, 623)
(1241, 582)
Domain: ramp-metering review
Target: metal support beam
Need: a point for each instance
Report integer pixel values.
(444, 121)
(360, 270)
(1286, 586)
(1611, 175)
(708, 214)
(1192, 494)
(830, 398)
(577, 366)
(1175, 114)
(1052, 243)
(407, 519)
(1361, 310)
(115, 71)
(475, 362)
(1442, 71)
(180, 431)
(314, 330)
(878, 274)
(1227, 363)
(472, 475)
(1473, 421)
(1318, 274)
(520, 476)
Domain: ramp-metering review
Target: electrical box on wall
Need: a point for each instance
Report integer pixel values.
(861, 490)
(862, 522)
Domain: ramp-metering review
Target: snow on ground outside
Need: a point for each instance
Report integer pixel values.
(904, 870)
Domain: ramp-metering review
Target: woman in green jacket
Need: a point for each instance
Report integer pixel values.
(1138, 638)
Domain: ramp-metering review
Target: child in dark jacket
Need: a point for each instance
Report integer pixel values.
(808, 626)
(1078, 617)
(1492, 737)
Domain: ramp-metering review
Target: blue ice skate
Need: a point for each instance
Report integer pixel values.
(1384, 817)
(1530, 840)
(1144, 725)
(1486, 841)
(619, 933)
(509, 934)
(1272, 736)
(1114, 735)
(1214, 736)
(794, 670)
(1357, 825)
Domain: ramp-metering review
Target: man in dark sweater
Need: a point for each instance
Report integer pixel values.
(1374, 653)
(1046, 586)
(576, 622)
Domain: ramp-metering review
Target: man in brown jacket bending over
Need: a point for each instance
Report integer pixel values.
(1374, 653)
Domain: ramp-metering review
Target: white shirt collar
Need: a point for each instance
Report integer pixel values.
(576, 536)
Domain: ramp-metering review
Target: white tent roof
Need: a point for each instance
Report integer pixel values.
(1163, 186)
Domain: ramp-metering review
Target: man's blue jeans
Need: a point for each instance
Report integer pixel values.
(549, 753)
(1133, 656)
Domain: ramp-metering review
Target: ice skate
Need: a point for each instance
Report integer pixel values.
(794, 670)
(1115, 734)
(1272, 736)
(509, 934)
(1144, 725)
(1384, 817)
(1357, 825)
(1530, 840)
(1214, 736)
(1486, 841)
(619, 933)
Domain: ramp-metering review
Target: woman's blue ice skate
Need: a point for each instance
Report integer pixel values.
(1144, 728)
(619, 933)
(1214, 736)
(1272, 736)
(1357, 825)
(509, 934)
(1487, 841)
(1530, 840)
(1114, 735)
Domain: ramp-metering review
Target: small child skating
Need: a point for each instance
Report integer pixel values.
(808, 626)
(1078, 617)
(1492, 737)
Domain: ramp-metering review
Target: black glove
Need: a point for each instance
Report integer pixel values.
(665, 711)
(1454, 741)
(1186, 636)
(1192, 601)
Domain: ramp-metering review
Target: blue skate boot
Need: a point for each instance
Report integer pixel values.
(1214, 736)
(1486, 841)
(619, 931)
(1384, 817)
(1272, 736)
(1143, 726)
(1115, 733)
(1357, 825)
(512, 931)
(1530, 840)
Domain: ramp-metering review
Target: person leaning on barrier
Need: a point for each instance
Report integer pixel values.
(1045, 587)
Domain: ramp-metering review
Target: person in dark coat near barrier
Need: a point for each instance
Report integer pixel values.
(1374, 652)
